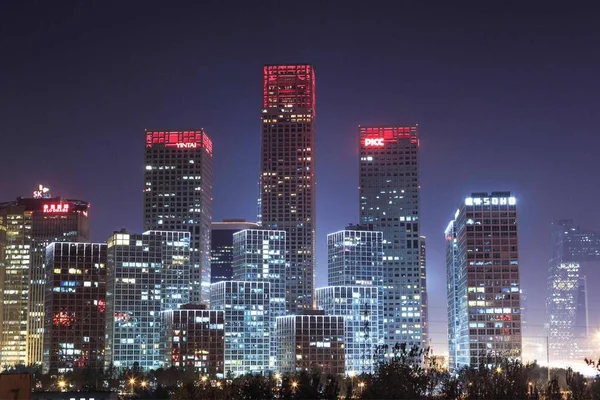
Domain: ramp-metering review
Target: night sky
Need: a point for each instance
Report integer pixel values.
(507, 97)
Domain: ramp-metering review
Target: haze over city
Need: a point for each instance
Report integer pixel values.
(505, 97)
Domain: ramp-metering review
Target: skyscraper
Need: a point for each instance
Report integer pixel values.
(75, 321)
(147, 274)
(288, 172)
(573, 251)
(424, 297)
(484, 309)
(259, 256)
(178, 195)
(355, 291)
(221, 247)
(389, 200)
(27, 226)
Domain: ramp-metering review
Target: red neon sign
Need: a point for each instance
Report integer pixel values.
(56, 208)
(179, 139)
(373, 142)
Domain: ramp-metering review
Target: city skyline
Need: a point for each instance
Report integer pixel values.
(459, 113)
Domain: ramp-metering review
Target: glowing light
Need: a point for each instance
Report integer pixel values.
(487, 201)
(56, 208)
(144, 384)
(42, 192)
(373, 142)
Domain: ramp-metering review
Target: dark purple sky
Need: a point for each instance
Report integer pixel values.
(507, 97)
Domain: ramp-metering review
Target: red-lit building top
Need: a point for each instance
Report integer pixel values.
(288, 85)
(192, 139)
(377, 137)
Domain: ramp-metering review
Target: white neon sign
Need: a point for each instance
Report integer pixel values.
(42, 192)
(373, 142)
(493, 201)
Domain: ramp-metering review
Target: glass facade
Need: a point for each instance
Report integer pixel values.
(389, 201)
(310, 341)
(259, 256)
(75, 311)
(196, 339)
(288, 172)
(247, 325)
(147, 274)
(221, 247)
(178, 196)
(572, 250)
(27, 226)
(362, 310)
(484, 309)
(355, 291)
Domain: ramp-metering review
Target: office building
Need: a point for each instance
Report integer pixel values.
(355, 257)
(311, 340)
(575, 254)
(355, 291)
(424, 298)
(221, 247)
(484, 309)
(389, 201)
(288, 172)
(362, 310)
(27, 226)
(247, 325)
(259, 256)
(75, 311)
(178, 195)
(196, 339)
(148, 273)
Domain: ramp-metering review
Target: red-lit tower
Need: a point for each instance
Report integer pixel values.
(178, 196)
(27, 226)
(288, 172)
(389, 199)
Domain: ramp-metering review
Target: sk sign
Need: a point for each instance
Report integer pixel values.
(373, 142)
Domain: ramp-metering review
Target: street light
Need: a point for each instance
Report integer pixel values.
(144, 384)
(204, 378)
(62, 384)
(294, 385)
(132, 383)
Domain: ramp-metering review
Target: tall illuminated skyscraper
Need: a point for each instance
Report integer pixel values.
(178, 195)
(288, 172)
(482, 260)
(389, 200)
(259, 256)
(355, 291)
(27, 226)
(573, 251)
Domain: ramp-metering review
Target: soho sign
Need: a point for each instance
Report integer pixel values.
(494, 201)
(370, 142)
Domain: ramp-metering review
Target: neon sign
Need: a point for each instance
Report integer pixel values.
(42, 192)
(494, 201)
(56, 208)
(183, 145)
(373, 142)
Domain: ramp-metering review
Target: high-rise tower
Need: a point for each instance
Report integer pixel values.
(178, 195)
(484, 308)
(27, 226)
(573, 249)
(288, 172)
(389, 200)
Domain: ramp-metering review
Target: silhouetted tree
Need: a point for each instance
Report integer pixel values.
(553, 390)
